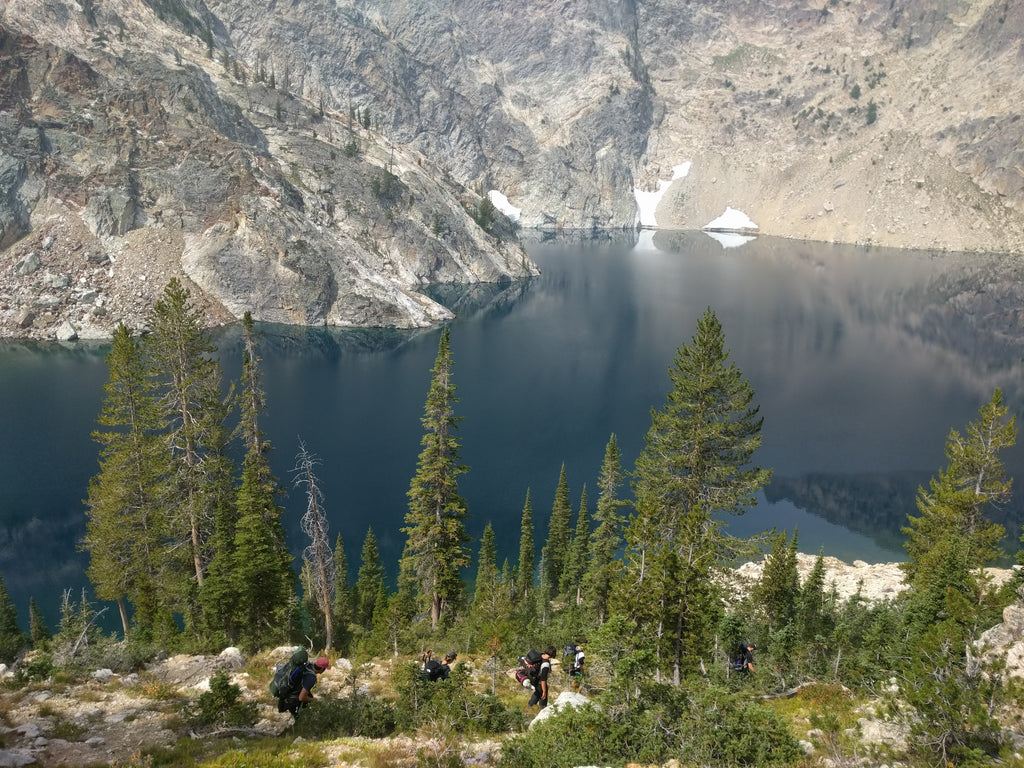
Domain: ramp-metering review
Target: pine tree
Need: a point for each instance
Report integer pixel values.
(317, 557)
(261, 578)
(369, 581)
(556, 549)
(12, 638)
(778, 591)
(38, 631)
(958, 497)
(435, 527)
(527, 554)
(579, 554)
(125, 531)
(811, 603)
(487, 566)
(492, 602)
(389, 619)
(605, 541)
(182, 355)
(693, 470)
(342, 609)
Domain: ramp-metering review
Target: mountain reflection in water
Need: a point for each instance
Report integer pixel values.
(862, 360)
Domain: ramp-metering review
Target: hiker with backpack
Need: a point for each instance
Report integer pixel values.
(534, 670)
(437, 670)
(575, 672)
(294, 680)
(744, 661)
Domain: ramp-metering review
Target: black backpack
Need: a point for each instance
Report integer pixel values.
(529, 667)
(288, 676)
(432, 670)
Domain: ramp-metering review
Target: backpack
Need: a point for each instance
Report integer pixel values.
(529, 668)
(432, 670)
(288, 676)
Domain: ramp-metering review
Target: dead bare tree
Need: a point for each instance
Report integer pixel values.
(318, 559)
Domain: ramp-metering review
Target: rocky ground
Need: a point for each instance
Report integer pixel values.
(67, 284)
(108, 719)
(875, 581)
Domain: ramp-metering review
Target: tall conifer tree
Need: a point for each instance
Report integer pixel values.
(261, 574)
(777, 593)
(693, 470)
(435, 527)
(958, 497)
(181, 352)
(369, 581)
(37, 629)
(810, 610)
(556, 549)
(527, 552)
(125, 531)
(579, 554)
(487, 566)
(342, 609)
(606, 539)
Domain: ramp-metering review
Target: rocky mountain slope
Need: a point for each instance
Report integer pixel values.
(320, 161)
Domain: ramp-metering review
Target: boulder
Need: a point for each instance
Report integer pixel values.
(28, 265)
(565, 700)
(231, 658)
(66, 332)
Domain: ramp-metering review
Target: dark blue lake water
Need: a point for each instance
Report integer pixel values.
(862, 361)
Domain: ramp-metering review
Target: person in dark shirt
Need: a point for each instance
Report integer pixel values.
(540, 688)
(744, 662)
(304, 694)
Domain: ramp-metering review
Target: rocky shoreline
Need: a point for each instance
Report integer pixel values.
(876, 581)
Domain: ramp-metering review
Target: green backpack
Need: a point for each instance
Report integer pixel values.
(288, 676)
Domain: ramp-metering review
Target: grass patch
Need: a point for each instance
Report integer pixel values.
(830, 711)
(67, 730)
(186, 751)
(273, 755)
(159, 690)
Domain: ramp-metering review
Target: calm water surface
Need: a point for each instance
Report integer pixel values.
(861, 360)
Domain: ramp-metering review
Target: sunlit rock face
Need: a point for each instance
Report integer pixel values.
(320, 162)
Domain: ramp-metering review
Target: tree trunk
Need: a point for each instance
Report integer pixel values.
(124, 616)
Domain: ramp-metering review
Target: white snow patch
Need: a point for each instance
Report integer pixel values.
(502, 204)
(647, 202)
(731, 221)
(730, 239)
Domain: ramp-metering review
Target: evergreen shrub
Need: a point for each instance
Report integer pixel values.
(709, 725)
(450, 705)
(222, 704)
(354, 715)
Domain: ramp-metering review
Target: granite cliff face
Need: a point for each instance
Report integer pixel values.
(127, 155)
(320, 161)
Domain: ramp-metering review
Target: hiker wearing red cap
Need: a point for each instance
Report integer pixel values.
(297, 701)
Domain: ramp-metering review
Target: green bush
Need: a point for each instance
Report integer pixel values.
(36, 668)
(221, 705)
(450, 705)
(354, 715)
(665, 723)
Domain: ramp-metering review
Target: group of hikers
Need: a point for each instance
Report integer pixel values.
(293, 681)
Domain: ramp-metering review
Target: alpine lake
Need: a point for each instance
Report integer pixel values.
(862, 361)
